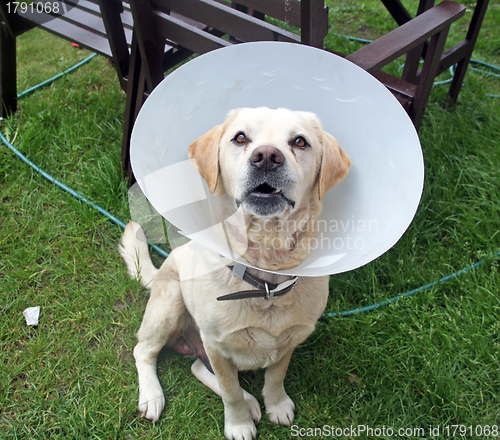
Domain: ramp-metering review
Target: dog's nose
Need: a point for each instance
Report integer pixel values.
(267, 158)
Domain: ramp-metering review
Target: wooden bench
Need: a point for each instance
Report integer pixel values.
(167, 31)
(102, 26)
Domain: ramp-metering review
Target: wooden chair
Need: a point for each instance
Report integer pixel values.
(103, 26)
(431, 26)
(414, 87)
(459, 54)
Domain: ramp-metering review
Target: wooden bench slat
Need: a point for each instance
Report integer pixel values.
(228, 20)
(187, 35)
(127, 19)
(80, 17)
(80, 35)
(287, 11)
(92, 7)
(85, 5)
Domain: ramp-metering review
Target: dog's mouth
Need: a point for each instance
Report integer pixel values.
(266, 200)
(265, 190)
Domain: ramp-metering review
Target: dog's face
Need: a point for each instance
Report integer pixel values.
(270, 161)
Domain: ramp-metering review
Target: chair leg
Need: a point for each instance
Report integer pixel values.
(426, 78)
(457, 81)
(472, 34)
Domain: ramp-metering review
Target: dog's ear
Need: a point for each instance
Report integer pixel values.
(335, 164)
(204, 153)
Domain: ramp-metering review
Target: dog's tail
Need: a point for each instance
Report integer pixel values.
(134, 250)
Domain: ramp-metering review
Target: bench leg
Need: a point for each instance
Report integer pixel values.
(312, 23)
(135, 97)
(111, 10)
(8, 86)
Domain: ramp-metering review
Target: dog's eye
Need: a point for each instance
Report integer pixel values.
(240, 138)
(300, 142)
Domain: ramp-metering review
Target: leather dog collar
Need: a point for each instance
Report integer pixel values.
(264, 288)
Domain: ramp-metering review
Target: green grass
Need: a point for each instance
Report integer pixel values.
(427, 361)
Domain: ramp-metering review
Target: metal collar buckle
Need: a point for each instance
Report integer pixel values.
(269, 294)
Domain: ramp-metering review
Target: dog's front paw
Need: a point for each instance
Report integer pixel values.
(151, 401)
(253, 405)
(238, 423)
(282, 411)
(245, 431)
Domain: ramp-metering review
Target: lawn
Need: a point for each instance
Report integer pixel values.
(429, 361)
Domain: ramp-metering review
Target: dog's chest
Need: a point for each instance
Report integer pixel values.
(257, 339)
(254, 347)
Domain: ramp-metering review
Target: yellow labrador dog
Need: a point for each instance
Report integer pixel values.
(274, 166)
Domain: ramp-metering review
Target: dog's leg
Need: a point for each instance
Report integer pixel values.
(279, 406)
(238, 423)
(162, 322)
(201, 372)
